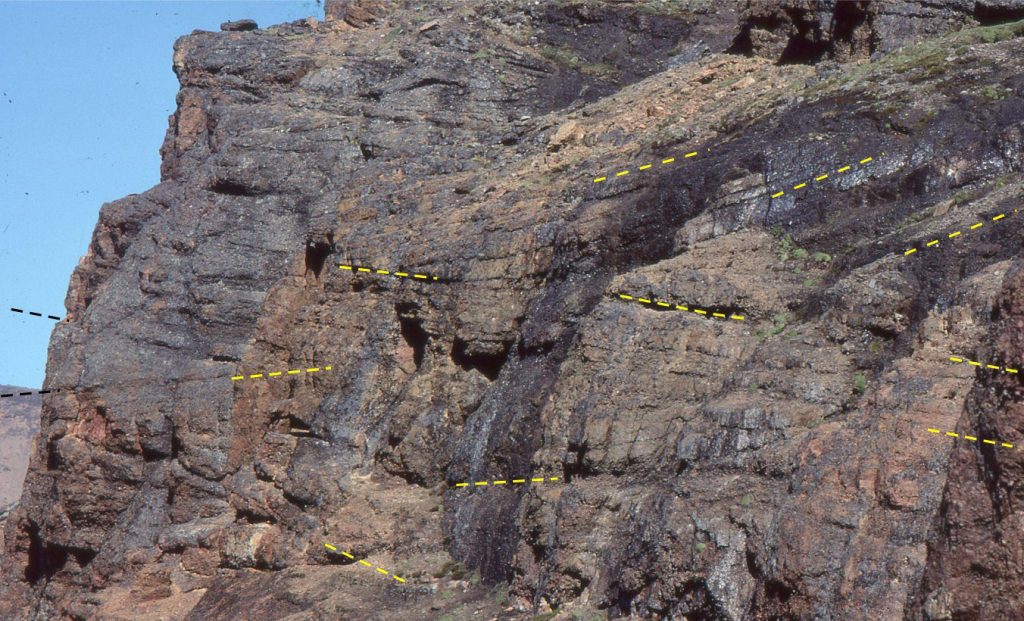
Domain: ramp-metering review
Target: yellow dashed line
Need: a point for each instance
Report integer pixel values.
(623, 173)
(280, 373)
(363, 562)
(505, 482)
(383, 272)
(975, 363)
(822, 177)
(970, 438)
(976, 225)
(663, 304)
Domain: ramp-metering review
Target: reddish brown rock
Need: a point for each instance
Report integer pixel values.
(774, 466)
(357, 13)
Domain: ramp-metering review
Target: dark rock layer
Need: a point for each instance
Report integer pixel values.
(810, 30)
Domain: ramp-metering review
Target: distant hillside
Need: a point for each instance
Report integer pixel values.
(19, 424)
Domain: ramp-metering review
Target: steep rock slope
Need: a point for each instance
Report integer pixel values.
(778, 466)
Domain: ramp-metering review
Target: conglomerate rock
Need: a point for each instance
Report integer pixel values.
(778, 466)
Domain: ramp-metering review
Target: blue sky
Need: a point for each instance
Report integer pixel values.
(85, 92)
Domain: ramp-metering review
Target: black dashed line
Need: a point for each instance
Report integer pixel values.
(35, 314)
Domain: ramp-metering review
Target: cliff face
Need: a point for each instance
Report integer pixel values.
(242, 393)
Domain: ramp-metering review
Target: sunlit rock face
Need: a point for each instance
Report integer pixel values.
(405, 261)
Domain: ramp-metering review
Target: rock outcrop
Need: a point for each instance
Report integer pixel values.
(356, 13)
(811, 30)
(745, 435)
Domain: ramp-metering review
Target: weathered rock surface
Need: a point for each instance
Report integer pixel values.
(809, 30)
(778, 467)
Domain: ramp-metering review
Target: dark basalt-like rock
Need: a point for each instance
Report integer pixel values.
(810, 30)
(241, 25)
